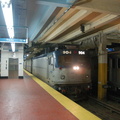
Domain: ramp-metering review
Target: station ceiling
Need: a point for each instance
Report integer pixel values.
(64, 21)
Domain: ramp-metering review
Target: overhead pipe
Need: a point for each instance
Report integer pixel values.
(90, 43)
(93, 41)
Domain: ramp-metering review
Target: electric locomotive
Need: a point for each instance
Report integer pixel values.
(68, 71)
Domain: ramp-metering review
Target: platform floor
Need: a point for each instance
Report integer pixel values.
(32, 99)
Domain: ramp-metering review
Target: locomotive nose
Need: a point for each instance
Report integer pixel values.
(76, 67)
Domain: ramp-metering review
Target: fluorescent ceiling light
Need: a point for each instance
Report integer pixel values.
(13, 47)
(6, 6)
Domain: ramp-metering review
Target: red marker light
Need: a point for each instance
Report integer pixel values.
(75, 52)
(60, 68)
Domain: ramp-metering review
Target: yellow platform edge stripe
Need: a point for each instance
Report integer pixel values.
(74, 108)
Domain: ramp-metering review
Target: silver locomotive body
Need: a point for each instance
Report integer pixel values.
(65, 71)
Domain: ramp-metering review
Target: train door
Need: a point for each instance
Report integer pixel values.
(113, 75)
(50, 67)
(110, 70)
(114, 72)
(118, 71)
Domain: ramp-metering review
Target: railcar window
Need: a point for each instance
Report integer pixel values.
(118, 63)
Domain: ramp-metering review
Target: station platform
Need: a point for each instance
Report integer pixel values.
(31, 99)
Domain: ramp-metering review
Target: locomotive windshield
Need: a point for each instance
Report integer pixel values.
(68, 60)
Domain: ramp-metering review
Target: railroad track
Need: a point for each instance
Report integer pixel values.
(101, 109)
(115, 98)
(108, 106)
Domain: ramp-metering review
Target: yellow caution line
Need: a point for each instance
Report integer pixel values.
(74, 108)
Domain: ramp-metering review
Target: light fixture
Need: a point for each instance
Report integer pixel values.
(13, 47)
(6, 6)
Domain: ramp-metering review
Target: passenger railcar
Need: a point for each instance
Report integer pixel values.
(68, 71)
(28, 65)
(114, 74)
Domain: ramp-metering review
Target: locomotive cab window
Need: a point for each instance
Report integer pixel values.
(64, 60)
(68, 60)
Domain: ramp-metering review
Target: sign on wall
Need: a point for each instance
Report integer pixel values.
(13, 40)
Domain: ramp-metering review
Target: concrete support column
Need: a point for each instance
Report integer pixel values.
(102, 69)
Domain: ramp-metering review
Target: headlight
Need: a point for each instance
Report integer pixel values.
(76, 67)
